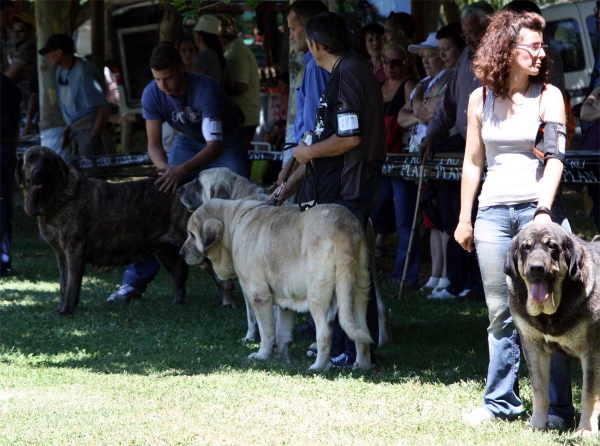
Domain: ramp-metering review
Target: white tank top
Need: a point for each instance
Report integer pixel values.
(513, 171)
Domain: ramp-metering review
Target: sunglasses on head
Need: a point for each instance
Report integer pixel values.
(392, 62)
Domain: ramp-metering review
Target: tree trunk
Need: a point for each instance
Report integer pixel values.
(170, 29)
(426, 15)
(52, 17)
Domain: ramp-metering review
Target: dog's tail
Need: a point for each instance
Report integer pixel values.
(352, 291)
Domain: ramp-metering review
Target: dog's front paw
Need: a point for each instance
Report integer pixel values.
(585, 432)
(258, 355)
(250, 338)
(538, 424)
(317, 367)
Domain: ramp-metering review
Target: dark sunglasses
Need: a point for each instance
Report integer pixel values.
(18, 30)
(393, 62)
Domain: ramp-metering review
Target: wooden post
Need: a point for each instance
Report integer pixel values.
(98, 51)
(52, 17)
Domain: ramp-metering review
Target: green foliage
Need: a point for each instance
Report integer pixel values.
(192, 9)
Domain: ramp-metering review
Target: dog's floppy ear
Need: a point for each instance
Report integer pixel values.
(190, 195)
(511, 261)
(221, 190)
(19, 170)
(573, 258)
(212, 232)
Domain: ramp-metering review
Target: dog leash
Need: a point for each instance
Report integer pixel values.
(274, 201)
(309, 204)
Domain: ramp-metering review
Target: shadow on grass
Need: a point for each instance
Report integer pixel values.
(433, 342)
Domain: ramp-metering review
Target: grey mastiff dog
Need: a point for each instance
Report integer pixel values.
(221, 182)
(554, 297)
(313, 261)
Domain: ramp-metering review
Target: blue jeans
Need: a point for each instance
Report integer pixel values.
(383, 215)
(495, 226)
(235, 156)
(8, 162)
(405, 199)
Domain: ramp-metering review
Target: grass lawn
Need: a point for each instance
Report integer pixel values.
(151, 372)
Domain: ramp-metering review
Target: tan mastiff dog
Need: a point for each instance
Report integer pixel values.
(296, 260)
(221, 182)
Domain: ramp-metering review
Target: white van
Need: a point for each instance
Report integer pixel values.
(572, 30)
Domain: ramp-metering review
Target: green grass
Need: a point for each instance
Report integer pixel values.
(151, 372)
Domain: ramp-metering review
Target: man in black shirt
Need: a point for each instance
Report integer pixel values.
(347, 146)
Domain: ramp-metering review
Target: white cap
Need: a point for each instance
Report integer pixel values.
(430, 42)
(207, 23)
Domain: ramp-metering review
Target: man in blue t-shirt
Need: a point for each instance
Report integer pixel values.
(82, 99)
(210, 135)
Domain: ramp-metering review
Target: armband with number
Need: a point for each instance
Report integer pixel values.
(348, 123)
(212, 129)
(550, 141)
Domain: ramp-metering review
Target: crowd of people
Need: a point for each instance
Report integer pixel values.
(481, 88)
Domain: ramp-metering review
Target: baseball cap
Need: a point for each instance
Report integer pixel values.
(25, 18)
(227, 26)
(58, 41)
(430, 42)
(208, 24)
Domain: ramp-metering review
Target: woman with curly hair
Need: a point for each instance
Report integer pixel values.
(503, 120)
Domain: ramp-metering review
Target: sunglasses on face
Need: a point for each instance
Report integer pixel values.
(534, 47)
(18, 30)
(392, 62)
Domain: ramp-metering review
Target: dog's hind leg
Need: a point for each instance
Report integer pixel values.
(285, 320)
(590, 392)
(179, 270)
(324, 333)
(385, 333)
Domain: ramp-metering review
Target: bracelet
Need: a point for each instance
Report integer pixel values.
(543, 209)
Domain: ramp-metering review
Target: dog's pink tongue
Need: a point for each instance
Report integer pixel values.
(539, 291)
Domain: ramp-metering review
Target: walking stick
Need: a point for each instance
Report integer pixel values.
(412, 231)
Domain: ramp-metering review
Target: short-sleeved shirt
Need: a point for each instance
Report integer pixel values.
(202, 98)
(313, 85)
(209, 60)
(241, 67)
(84, 92)
(352, 88)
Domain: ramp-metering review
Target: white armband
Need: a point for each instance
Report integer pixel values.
(212, 129)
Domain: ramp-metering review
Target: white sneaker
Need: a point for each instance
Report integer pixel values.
(443, 294)
(125, 293)
(464, 292)
(478, 416)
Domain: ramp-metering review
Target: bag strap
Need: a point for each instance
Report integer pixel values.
(484, 94)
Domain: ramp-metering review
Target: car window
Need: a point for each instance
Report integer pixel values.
(565, 36)
(592, 27)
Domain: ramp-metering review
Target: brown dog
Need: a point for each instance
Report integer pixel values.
(554, 296)
(86, 220)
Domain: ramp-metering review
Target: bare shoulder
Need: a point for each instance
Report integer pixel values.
(476, 97)
(551, 94)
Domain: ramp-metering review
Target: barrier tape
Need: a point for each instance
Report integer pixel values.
(580, 167)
